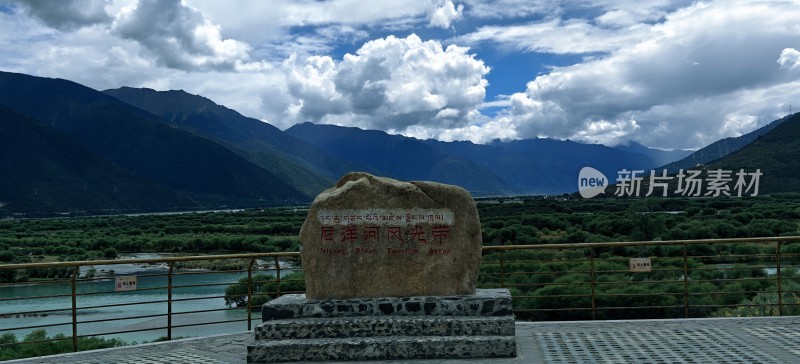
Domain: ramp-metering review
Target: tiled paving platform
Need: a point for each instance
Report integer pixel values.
(731, 340)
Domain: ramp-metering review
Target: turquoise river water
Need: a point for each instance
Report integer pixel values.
(97, 305)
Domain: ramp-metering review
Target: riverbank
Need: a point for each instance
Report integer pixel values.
(192, 297)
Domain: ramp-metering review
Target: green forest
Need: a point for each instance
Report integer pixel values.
(90, 238)
(548, 284)
(720, 279)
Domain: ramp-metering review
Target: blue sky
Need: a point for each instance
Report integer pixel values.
(667, 74)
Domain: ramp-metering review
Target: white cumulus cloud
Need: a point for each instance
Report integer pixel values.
(389, 84)
(178, 36)
(671, 84)
(789, 58)
(443, 16)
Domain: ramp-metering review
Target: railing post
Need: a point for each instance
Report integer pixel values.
(75, 308)
(250, 293)
(685, 282)
(593, 273)
(169, 300)
(277, 277)
(780, 278)
(502, 269)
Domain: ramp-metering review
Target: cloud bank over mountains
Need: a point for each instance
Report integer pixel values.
(667, 74)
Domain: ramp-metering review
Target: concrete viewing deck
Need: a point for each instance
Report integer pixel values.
(726, 340)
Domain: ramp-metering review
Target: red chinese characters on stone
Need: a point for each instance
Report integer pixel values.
(440, 232)
(350, 234)
(327, 234)
(418, 234)
(371, 234)
(395, 233)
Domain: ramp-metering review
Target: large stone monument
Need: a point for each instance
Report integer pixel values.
(378, 237)
(390, 270)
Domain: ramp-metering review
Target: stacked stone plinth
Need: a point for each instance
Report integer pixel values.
(480, 325)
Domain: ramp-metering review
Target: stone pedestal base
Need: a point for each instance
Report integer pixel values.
(454, 327)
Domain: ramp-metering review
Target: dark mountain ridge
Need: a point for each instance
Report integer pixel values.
(137, 141)
(534, 166)
(775, 153)
(296, 162)
(661, 156)
(546, 166)
(720, 148)
(46, 171)
(399, 157)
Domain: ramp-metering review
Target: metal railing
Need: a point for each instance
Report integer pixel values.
(82, 289)
(687, 278)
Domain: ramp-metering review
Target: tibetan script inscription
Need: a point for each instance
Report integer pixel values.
(394, 217)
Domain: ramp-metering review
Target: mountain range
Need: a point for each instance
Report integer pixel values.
(775, 153)
(661, 156)
(141, 143)
(720, 148)
(69, 148)
(292, 160)
(50, 171)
